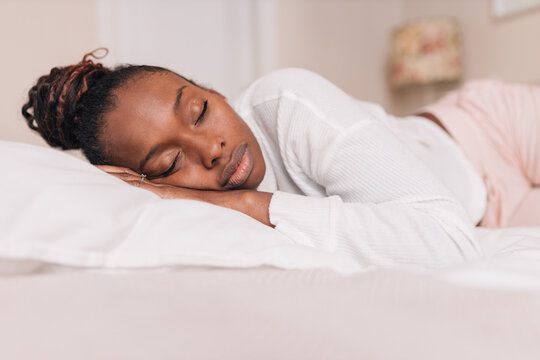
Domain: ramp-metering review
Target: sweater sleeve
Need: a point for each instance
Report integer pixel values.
(383, 206)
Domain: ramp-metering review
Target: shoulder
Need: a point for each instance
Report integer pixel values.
(290, 78)
(292, 94)
(287, 82)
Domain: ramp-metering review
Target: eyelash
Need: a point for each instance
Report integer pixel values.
(171, 168)
(203, 112)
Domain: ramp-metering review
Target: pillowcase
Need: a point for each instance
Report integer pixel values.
(59, 209)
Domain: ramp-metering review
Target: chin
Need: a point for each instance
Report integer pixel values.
(254, 182)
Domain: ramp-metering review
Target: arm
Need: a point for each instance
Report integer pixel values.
(368, 196)
(382, 205)
(250, 202)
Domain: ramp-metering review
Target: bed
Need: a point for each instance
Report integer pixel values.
(85, 276)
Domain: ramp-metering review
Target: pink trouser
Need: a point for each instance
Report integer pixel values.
(498, 127)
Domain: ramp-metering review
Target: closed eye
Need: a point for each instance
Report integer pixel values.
(171, 168)
(201, 116)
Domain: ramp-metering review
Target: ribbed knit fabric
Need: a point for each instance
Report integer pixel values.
(497, 124)
(343, 181)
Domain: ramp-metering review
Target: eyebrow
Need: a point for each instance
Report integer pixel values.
(155, 148)
(148, 156)
(179, 93)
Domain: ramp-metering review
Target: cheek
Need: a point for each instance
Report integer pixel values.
(258, 173)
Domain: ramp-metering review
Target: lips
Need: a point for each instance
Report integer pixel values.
(238, 169)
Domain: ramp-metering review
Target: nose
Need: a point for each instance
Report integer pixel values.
(211, 150)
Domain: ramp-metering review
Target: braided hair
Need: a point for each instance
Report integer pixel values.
(67, 106)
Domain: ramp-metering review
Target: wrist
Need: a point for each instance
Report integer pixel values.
(257, 204)
(250, 202)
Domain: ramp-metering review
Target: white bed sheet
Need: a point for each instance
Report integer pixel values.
(511, 261)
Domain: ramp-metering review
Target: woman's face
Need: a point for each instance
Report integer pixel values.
(179, 134)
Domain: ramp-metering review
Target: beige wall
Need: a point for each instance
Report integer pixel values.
(36, 36)
(344, 40)
(347, 42)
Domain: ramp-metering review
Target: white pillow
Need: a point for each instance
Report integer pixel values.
(61, 210)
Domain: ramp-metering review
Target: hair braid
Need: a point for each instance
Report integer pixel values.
(55, 101)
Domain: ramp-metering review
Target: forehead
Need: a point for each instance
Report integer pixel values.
(147, 88)
(142, 111)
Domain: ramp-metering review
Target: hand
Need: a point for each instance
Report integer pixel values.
(162, 190)
(250, 202)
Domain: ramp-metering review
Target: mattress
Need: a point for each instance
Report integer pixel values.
(489, 309)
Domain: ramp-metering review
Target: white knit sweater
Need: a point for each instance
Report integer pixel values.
(345, 181)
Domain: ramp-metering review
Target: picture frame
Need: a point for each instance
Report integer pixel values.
(505, 8)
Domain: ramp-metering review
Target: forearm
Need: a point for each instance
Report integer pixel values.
(427, 233)
(250, 202)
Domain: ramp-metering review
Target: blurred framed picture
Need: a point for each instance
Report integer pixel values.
(503, 8)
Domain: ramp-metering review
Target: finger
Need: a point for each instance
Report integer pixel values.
(117, 169)
(127, 177)
(110, 168)
(138, 184)
(162, 192)
(146, 186)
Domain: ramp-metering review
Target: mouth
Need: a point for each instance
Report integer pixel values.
(238, 169)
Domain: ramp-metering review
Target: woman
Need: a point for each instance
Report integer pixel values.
(295, 153)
